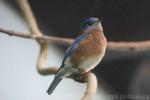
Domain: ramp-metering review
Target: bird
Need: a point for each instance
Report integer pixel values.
(84, 54)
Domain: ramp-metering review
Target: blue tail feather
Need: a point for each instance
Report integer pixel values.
(56, 81)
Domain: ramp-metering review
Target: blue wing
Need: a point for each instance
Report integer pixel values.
(73, 45)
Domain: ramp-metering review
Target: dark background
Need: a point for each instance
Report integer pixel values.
(123, 72)
(121, 19)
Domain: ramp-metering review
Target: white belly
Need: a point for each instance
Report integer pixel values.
(90, 63)
(85, 66)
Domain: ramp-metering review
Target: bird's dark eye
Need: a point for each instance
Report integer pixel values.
(85, 24)
(89, 23)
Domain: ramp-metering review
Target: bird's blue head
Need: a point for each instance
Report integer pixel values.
(90, 23)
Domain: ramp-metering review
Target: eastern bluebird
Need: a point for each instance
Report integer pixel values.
(85, 52)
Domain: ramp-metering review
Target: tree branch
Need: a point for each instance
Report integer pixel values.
(29, 16)
(111, 45)
(91, 87)
(41, 68)
(51, 39)
(129, 46)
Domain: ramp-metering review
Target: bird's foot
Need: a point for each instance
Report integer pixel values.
(80, 77)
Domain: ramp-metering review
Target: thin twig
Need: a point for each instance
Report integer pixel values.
(51, 39)
(130, 46)
(117, 46)
(91, 87)
(41, 67)
(31, 20)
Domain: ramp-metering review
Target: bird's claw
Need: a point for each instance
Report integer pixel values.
(81, 78)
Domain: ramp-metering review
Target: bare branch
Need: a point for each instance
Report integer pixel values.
(31, 20)
(42, 69)
(91, 87)
(51, 39)
(122, 46)
(130, 46)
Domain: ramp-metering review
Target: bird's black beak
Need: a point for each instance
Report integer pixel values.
(100, 20)
(97, 22)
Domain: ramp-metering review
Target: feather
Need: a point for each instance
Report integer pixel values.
(59, 76)
(74, 45)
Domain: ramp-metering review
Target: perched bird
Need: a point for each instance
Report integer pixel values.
(85, 52)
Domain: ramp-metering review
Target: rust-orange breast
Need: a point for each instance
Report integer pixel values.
(93, 45)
